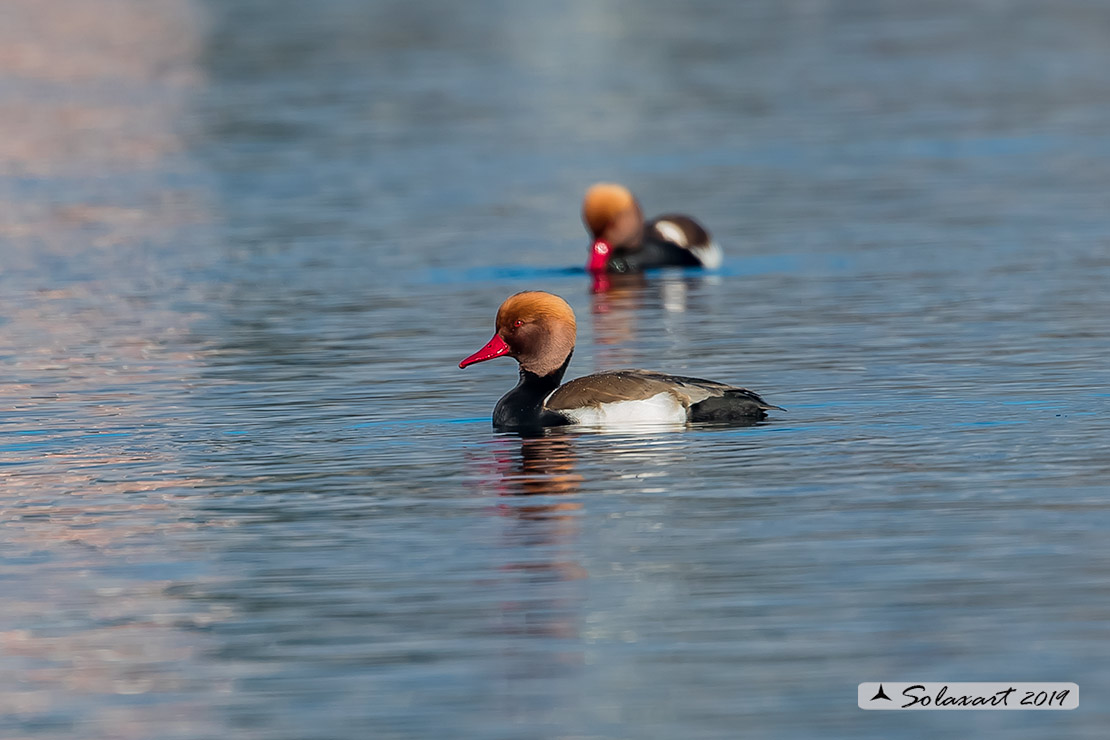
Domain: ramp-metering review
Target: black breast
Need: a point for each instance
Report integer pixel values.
(522, 407)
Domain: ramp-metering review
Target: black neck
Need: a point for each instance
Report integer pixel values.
(522, 407)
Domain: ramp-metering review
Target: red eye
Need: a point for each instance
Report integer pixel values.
(518, 323)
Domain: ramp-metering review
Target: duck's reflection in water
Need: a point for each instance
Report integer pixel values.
(617, 310)
(539, 485)
(542, 583)
(616, 319)
(545, 466)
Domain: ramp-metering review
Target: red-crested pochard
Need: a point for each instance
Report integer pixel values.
(624, 242)
(538, 330)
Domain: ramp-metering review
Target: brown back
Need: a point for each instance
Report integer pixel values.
(615, 386)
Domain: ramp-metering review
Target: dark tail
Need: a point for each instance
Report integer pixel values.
(736, 405)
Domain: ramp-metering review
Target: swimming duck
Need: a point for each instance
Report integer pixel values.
(624, 242)
(538, 330)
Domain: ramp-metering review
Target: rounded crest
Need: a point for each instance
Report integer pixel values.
(539, 329)
(535, 306)
(603, 204)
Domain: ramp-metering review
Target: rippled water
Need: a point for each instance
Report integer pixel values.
(246, 491)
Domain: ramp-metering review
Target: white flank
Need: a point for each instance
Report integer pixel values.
(710, 255)
(671, 232)
(662, 408)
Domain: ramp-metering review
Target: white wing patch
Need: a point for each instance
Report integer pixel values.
(710, 255)
(662, 408)
(672, 232)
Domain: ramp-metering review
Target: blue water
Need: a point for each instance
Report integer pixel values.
(246, 491)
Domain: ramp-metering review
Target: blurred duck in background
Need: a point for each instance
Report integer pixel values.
(623, 242)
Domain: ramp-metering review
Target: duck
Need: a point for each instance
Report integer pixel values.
(623, 242)
(538, 330)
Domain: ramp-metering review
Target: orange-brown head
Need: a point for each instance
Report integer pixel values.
(614, 220)
(536, 328)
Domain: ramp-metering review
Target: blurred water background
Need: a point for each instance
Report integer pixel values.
(245, 492)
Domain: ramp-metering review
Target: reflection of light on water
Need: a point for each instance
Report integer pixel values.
(88, 497)
(636, 428)
(641, 476)
(106, 544)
